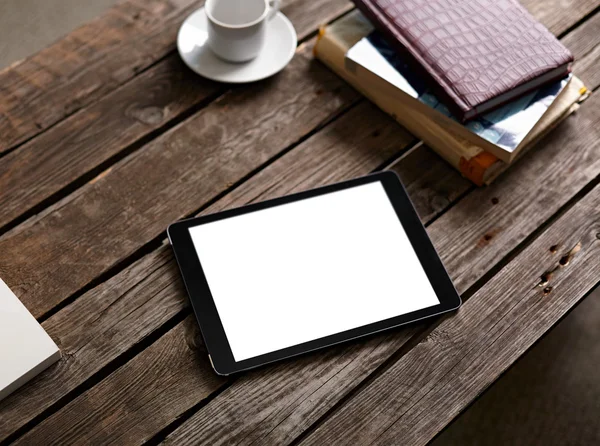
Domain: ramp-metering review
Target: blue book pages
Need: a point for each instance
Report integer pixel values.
(505, 127)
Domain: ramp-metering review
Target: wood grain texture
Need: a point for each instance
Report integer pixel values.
(108, 411)
(433, 186)
(98, 57)
(561, 15)
(548, 396)
(585, 45)
(93, 60)
(302, 403)
(429, 204)
(103, 54)
(505, 213)
(118, 121)
(422, 392)
(107, 321)
(93, 135)
(346, 365)
(172, 177)
(276, 404)
(123, 332)
(101, 325)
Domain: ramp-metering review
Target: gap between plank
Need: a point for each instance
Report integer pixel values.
(130, 354)
(98, 376)
(585, 296)
(391, 162)
(464, 296)
(85, 177)
(417, 337)
(157, 241)
(171, 323)
(161, 435)
(579, 22)
(88, 105)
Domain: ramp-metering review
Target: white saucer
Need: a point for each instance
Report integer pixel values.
(279, 48)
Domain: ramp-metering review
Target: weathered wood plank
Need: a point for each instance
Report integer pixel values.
(433, 186)
(15, 276)
(422, 392)
(170, 178)
(107, 321)
(560, 16)
(517, 203)
(52, 161)
(108, 409)
(98, 328)
(548, 396)
(301, 401)
(275, 404)
(103, 346)
(43, 89)
(427, 208)
(584, 44)
(90, 137)
(102, 55)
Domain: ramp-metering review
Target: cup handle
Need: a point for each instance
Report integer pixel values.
(273, 8)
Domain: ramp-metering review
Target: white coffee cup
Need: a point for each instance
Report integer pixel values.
(237, 28)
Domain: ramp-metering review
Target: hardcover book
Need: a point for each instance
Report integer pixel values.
(25, 348)
(500, 132)
(444, 136)
(478, 54)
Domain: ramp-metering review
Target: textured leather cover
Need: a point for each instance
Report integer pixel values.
(474, 51)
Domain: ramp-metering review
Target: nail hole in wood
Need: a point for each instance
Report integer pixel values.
(564, 260)
(488, 237)
(544, 279)
(554, 249)
(547, 290)
(598, 235)
(495, 200)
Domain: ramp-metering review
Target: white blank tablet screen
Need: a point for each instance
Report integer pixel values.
(301, 271)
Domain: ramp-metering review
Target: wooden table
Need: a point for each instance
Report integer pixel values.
(106, 138)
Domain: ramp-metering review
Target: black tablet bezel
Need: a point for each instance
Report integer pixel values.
(205, 310)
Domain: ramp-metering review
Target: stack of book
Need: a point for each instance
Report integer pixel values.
(481, 138)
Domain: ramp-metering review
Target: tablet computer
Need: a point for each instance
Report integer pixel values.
(287, 276)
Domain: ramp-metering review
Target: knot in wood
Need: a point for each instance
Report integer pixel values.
(149, 115)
